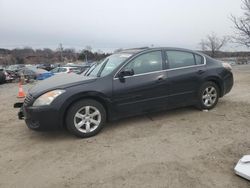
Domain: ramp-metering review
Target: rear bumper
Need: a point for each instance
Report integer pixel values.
(40, 119)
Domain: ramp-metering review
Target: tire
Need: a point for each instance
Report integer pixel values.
(208, 96)
(85, 118)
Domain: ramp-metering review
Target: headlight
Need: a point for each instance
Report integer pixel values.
(47, 98)
(227, 66)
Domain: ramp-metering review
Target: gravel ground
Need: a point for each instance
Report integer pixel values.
(178, 148)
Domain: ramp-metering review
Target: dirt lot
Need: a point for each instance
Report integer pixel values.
(178, 148)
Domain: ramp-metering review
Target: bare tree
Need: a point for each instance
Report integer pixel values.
(213, 43)
(60, 49)
(242, 25)
(99, 51)
(118, 50)
(88, 48)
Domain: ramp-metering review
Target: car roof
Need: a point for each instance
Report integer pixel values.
(133, 50)
(145, 49)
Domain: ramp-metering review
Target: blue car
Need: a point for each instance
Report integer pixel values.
(34, 73)
(43, 75)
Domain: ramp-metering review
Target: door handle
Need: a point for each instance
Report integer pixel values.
(200, 71)
(160, 78)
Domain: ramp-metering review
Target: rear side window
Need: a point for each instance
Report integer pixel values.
(199, 59)
(178, 59)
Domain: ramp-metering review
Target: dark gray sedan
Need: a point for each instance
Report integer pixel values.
(131, 82)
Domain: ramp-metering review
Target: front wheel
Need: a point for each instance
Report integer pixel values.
(85, 118)
(208, 96)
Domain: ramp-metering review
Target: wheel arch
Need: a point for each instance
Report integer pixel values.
(102, 99)
(218, 82)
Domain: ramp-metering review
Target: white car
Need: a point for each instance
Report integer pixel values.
(61, 70)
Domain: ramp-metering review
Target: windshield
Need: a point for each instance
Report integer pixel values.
(107, 65)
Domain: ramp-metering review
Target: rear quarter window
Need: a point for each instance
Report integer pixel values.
(199, 59)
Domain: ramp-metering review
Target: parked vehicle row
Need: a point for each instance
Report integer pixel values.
(78, 69)
(15, 68)
(35, 72)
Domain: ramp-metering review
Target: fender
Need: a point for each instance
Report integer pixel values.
(218, 81)
(100, 97)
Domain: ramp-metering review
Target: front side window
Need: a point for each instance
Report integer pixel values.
(177, 59)
(113, 62)
(149, 62)
(108, 65)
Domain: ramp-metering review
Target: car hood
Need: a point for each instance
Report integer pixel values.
(60, 81)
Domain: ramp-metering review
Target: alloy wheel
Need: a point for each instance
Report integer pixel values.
(87, 119)
(209, 96)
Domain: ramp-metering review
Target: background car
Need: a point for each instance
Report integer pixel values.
(15, 67)
(45, 66)
(63, 70)
(10, 76)
(80, 68)
(33, 73)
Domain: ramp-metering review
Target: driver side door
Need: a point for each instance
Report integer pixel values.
(143, 91)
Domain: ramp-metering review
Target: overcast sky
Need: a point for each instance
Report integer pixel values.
(111, 24)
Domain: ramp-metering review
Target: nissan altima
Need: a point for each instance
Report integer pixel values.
(127, 83)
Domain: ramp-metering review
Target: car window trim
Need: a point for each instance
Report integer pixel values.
(165, 70)
(116, 78)
(166, 67)
(162, 63)
(186, 67)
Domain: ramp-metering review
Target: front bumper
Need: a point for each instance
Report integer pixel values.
(40, 118)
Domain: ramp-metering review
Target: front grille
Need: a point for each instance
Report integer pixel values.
(28, 100)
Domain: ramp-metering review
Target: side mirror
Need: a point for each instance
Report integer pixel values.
(124, 73)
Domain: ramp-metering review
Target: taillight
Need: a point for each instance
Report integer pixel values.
(227, 66)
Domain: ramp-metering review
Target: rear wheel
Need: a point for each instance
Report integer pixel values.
(85, 118)
(208, 96)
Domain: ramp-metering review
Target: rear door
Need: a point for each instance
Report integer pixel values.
(183, 76)
(146, 89)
